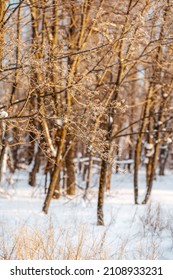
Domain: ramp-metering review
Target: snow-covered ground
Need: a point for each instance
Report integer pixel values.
(130, 231)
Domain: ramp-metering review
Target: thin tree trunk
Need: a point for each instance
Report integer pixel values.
(152, 174)
(57, 193)
(164, 153)
(139, 143)
(15, 83)
(69, 163)
(154, 158)
(56, 171)
(113, 150)
(35, 169)
(148, 151)
(100, 216)
(103, 172)
(130, 155)
(3, 155)
(3, 161)
(108, 177)
(89, 174)
(2, 11)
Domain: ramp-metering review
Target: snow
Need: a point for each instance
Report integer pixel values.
(146, 160)
(150, 153)
(169, 140)
(127, 161)
(130, 231)
(148, 146)
(60, 122)
(3, 114)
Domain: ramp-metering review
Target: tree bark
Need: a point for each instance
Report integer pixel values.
(2, 11)
(139, 143)
(69, 163)
(56, 171)
(89, 174)
(35, 169)
(163, 156)
(100, 216)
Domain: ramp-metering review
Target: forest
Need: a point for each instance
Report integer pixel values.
(86, 114)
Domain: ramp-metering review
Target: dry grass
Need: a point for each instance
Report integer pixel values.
(77, 242)
(34, 244)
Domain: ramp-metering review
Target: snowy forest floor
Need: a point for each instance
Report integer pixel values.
(70, 231)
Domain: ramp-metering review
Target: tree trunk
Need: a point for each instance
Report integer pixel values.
(57, 193)
(139, 143)
(69, 163)
(56, 171)
(35, 169)
(154, 158)
(100, 216)
(3, 161)
(89, 174)
(2, 11)
(3, 155)
(163, 156)
(152, 174)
